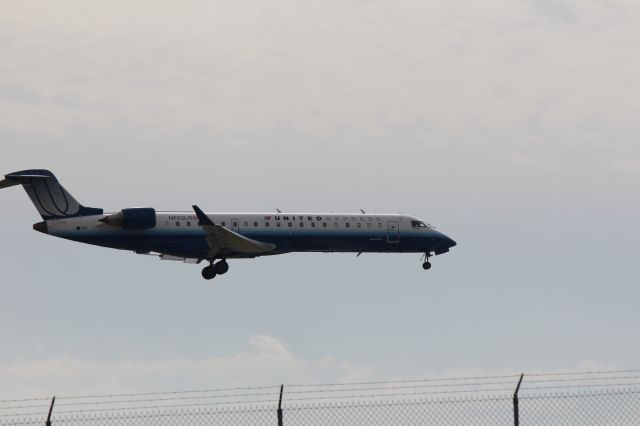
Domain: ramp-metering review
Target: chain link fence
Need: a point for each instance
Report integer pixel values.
(450, 411)
(605, 407)
(578, 398)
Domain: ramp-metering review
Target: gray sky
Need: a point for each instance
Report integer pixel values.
(510, 125)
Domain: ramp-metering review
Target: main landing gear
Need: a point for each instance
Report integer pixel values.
(426, 265)
(218, 268)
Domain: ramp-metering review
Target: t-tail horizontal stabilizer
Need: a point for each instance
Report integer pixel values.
(46, 193)
(6, 183)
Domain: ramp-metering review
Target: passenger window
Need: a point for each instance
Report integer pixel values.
(278, 224)
(255, 224)
(324, 224)
(235, 224)
(222, 223)
(266, 224)
(301, 225)
(290, 224)
(313, 224)
(246, 224)
(368, 225)
(177, 223)
(347, 224)
(188, 223)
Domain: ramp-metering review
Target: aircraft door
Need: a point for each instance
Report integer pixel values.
(393, 233)
(235, 225)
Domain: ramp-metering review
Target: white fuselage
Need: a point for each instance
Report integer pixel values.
(178, 233)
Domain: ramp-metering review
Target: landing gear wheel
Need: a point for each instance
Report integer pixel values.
(221, 267)
(426, 265)
(208, 273)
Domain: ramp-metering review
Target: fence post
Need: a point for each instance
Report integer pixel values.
(50, 411)
(279, 407)
(516, 410)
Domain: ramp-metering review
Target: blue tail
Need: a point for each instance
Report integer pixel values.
(46, 193)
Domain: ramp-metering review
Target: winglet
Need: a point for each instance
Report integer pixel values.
(202, 218)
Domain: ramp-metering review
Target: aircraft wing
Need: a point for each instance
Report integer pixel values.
(222, 240)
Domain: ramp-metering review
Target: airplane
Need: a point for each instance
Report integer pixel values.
(196, 236)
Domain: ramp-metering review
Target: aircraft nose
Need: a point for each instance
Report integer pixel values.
(41, 227)
(443, 243)
(449, 242)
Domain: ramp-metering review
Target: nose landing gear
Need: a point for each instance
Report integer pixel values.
(426, 265)
(218, 268)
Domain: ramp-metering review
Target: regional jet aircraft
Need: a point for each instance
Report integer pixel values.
(196, 236)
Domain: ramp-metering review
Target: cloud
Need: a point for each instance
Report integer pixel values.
(321, 104)
(222, 381)
(267, 362)
(315, 79)
(319, 67)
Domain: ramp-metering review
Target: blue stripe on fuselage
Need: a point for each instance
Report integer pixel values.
(192, 242)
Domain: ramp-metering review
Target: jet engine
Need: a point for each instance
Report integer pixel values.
(134, 218)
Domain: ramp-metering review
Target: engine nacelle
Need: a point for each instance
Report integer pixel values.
(135, 218)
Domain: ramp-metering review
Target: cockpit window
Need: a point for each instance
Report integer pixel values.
(419, 225)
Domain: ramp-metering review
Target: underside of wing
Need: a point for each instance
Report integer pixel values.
(223, 241)
(164, 256)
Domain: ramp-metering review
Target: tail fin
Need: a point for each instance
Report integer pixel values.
(46, 193)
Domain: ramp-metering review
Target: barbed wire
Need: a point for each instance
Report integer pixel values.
(628, 380)
(315, 398)
(143, 408)
(403, 381)
(128, 401)
(469, 378)
(165, 411)
(570, 373)
(228, 389)
(583, 379)
(583, 386)
(361, 383)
